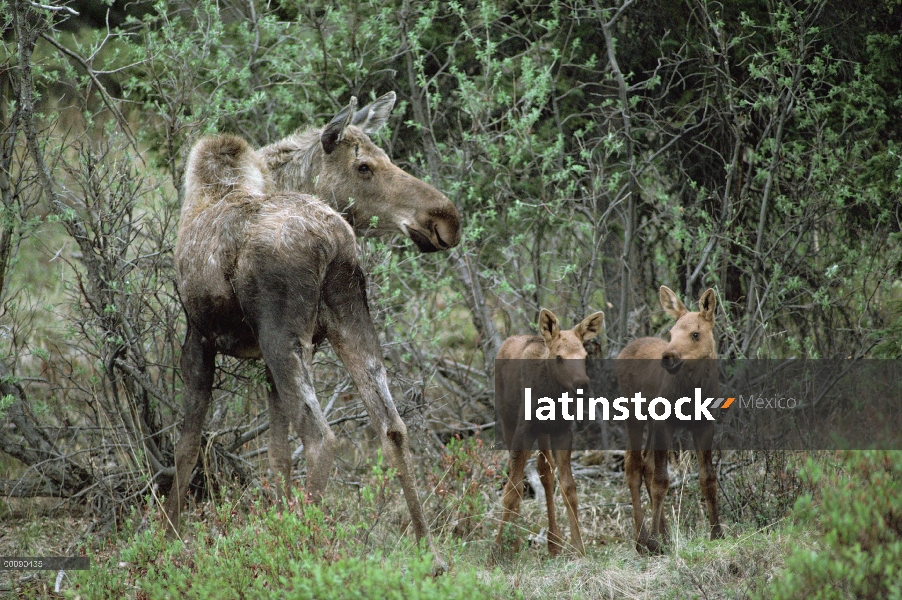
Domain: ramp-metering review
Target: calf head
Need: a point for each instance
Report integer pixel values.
(566, 347)
(692, 336)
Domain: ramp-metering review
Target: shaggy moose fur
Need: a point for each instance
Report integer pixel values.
(268, 273)
(670, 370)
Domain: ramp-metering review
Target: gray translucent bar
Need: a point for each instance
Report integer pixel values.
(796, 404)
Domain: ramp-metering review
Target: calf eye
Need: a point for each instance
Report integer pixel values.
(364, 169)
(695, 335)
(560, 358)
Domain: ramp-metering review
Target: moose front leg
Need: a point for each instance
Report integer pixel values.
(658, 443)
(562, 455)
(373, 386)
(511, 497)
(545, 467)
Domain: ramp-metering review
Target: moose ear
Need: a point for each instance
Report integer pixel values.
(590, 326)
(671, 304)
(706, 304)
(372, 117)
(335, 130)
(548, 325)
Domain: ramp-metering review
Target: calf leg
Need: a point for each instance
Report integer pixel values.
(197, 363)
(279, 450)
(659, 441)
(513, 493)
(288, 356)
(635, 467)
(707, 477)
(545, 467)
(562, 454)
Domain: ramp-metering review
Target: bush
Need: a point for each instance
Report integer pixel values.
(858, 520)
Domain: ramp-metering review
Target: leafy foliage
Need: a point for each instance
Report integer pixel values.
(858, 524)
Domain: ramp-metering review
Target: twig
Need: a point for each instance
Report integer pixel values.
(52, 8)
(103, 93)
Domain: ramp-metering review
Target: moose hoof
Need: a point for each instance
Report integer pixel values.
(439, 566)
(717, 532)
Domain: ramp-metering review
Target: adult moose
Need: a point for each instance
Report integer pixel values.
(266, 272)
(671, 370)
(549, 364)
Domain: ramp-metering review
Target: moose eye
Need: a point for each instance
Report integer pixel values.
(560, 358)
(364, 169)
(695, 335)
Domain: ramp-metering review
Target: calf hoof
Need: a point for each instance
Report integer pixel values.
(642, 541)
(655, 545)
(502, 552)
(497, 554)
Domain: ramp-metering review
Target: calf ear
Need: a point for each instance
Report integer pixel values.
(706, 304)
(335, 130)
(372, 117)
(549, 326)
(671, 304)
(590, 326)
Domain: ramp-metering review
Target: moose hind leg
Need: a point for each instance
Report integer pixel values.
(197, 363)
(349, 328)
(279, 450)
(286, 344)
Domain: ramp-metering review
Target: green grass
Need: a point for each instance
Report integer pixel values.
(297, 552)
(841, 540)
(357, 544)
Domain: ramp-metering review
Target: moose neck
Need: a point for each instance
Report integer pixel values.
(294, 162)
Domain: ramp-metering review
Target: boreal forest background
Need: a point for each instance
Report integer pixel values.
(596, 151)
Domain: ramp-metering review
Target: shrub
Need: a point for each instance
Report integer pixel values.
(858, 522)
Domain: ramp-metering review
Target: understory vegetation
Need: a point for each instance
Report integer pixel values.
(595, 151)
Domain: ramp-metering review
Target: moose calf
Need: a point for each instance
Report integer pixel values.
(549, 364)
(671, 370)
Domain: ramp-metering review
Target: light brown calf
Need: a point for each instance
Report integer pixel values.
(549, 364)
(671, 370)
